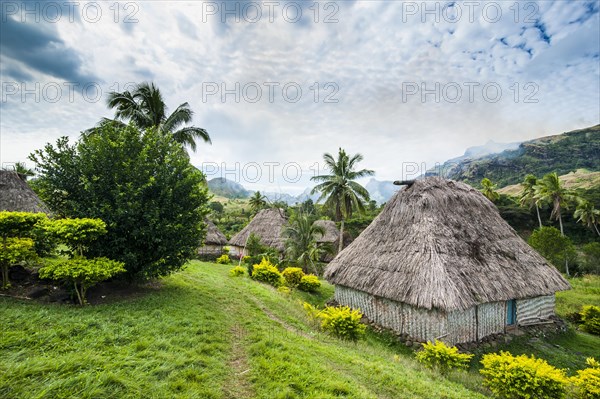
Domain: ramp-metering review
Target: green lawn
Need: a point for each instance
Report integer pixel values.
(203, 334)
(586, 291)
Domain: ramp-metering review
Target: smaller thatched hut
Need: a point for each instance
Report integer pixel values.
(213, 242)
(17, 196)
(439, 262)
(268, 224)
(331, 238)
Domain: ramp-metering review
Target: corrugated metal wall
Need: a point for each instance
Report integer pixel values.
(535, 309)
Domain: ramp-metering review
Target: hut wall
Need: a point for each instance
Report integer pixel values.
(210, 249)
(462, 327)
(418, 323)
(535, 309)
(234, 250)
(491, 318)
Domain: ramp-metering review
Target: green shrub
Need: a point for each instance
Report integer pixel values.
(267, 273)
(237, 271)
(12, 251)
(342, 322)
(19, 224)
(81, 272)
(590, 317)
(309, 283)
(292, 276)
(77, 234)
(225, 251)
(442, 357)
(223, 260)
(587, 381)
(522, 377)
(284, 290)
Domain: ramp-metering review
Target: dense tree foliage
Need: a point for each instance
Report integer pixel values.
(140, 183)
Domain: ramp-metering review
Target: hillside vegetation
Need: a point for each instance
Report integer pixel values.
(581, 179)
(563, 153)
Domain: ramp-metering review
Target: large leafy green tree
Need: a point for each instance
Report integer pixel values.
(140, 183)
(527, 196)
(301, 244)
(554, 246)
(144, 107)
(342, 194)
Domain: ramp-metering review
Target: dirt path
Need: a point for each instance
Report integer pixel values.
(238, 386)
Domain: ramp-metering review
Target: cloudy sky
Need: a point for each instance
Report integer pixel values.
(278, 83)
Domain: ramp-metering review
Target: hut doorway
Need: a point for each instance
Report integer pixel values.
(511, 312)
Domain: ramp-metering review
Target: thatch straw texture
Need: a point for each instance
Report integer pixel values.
(268, 224)
(332, 234)
(441, 244)
(17, 196)
(213, 234)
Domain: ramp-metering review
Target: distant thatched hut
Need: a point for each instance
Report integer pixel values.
(17, 196)
(440, 262)
(268, 224)
(331, 237)
(213, 242)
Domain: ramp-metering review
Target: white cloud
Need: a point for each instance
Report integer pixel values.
(372, 53)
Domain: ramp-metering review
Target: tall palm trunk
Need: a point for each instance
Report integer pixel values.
(562, 233)
(341, 243)
(596, 228)
(537, 208)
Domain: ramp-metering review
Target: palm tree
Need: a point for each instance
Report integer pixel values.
(587, 214)
(341, 193)
(550, 190)
(527, 197)
(301, 241)
(489, 189)
(257, 202)
(23, 171)
(144, 106)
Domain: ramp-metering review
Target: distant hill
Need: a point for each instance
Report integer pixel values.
(580, 179)
(563, 153)
(227, 188)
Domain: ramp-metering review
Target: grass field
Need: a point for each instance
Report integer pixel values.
(203, 334)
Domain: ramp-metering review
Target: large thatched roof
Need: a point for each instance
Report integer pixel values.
(332, 234)
(213, 234)
(268, 225)
(17, 196)
(442, 244)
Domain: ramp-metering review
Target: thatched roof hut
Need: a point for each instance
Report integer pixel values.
(214, 235)
(17, 196)
(214, 242)
(268, 224)
(442, 248)
(332, 234)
